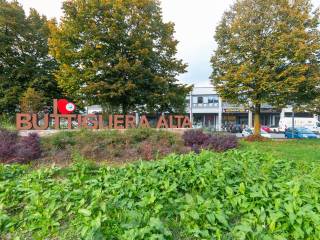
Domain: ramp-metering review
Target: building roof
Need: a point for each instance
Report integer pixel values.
(197, 90)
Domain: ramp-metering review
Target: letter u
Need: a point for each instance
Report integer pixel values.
(45, 122)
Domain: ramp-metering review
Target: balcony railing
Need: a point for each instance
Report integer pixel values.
(204, 105)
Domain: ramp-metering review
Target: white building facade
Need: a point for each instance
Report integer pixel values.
(207, 109)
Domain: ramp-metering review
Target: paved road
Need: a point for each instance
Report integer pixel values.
(277, 135)
(273, 135)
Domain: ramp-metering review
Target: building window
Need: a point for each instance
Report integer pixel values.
(200, 99)
(299, 115)
(195, 100)
(213, 99)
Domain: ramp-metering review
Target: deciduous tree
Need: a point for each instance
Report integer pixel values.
(267, 54)
(118, 53)
(32, 101)
(312, 107)
(24, 58)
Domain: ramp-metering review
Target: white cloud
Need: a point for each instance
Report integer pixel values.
(195, 25)
(195, 22)
(50, 8)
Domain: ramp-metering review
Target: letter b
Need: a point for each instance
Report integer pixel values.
(23, 121)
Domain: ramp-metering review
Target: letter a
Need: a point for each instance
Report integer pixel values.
(162, 122)
(144, 123)
(186, 123)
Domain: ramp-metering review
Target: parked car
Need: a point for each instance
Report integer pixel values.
(237, 128)
(275, 129)
(308, 121)
(266, 128)
(300, 133)
(249, 131)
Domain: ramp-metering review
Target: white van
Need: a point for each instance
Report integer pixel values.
(305, 120)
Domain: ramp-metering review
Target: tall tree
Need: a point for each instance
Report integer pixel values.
(12, 70)
(24, 58)
(267, 54)
(118, 53)
(31, 101)
(44, 65)
(313, 107)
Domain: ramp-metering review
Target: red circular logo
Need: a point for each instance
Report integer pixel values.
(66, 107)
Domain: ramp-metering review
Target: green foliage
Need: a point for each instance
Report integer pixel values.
(24, 58)
(267, 53)
(7, 122)
(313, 107)
(62, 140)
(110, 50)
(235, 195)
(32, 101)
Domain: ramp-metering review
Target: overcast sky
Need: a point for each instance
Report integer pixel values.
(195, 22)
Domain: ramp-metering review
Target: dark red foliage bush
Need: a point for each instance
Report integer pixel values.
(221, 143)
(194, 139)
(8, 140)
(197, 140)
(28, 148)
(14, 149)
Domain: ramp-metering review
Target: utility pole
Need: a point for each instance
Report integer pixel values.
(220, 115)
(292, 121)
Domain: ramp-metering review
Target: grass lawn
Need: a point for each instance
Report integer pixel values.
(306, 150)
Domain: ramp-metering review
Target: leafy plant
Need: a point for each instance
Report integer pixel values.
(7, 122)
(232, 195)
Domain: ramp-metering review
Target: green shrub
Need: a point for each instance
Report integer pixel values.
(7, 122)
(235, 195)
(62, 140)
(115, 146)
(139, 135)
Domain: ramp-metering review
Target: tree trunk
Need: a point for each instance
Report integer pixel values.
(257, 125)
